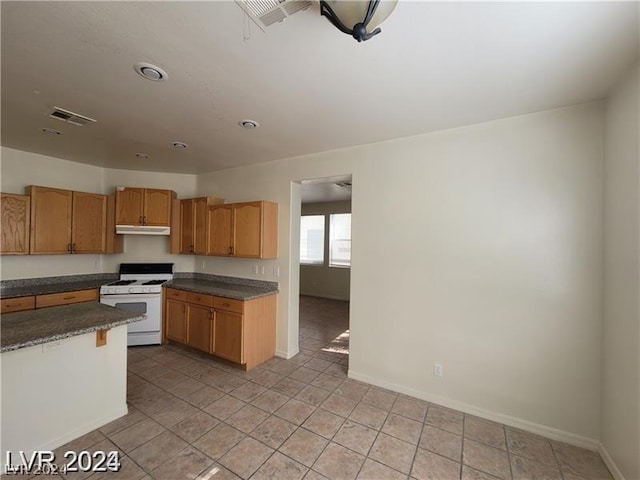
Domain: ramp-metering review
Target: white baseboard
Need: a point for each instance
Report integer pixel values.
(287, 355)
(330, 297)
(608, 461)
(543, 430)
(84, 429)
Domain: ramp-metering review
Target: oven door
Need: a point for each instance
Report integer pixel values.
(147, 304)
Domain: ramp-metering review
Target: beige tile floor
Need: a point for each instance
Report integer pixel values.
(194, 417)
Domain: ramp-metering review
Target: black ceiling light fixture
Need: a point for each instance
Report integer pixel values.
(363, 17)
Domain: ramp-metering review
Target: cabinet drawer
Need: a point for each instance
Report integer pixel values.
(200, 299)
(176, 294)
(221, 303)
(66, 298)
(17, 304)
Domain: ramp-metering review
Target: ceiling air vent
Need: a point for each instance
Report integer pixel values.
(346, 185)
(267, 12)
(70, 117)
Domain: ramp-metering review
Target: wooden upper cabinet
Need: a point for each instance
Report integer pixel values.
(157, 207)
(143, 206)
(16, 212)
(129, 206)
(187, 226)
(51, 210)
(63, 221)
(201, 233)
(220, 226)
(89, 220)
(248, 230)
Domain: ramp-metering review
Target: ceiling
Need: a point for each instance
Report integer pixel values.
(328, 189)
(311, 88)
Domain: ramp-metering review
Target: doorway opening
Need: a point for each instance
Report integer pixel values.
(325, 270)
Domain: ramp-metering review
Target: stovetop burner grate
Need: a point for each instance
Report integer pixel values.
(122, 282)
(154, 282)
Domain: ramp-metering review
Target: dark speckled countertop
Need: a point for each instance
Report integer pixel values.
(43, 286)
(222, 289)
(34, 327)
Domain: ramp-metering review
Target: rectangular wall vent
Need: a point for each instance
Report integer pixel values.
(70, 117)
(265, 13)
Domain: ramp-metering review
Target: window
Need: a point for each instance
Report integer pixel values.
(312, 239)
(340, 240)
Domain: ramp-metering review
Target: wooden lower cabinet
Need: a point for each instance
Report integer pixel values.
(18, 304)
(200, 334)
(243, 332)
(228, 338)
(175, 312)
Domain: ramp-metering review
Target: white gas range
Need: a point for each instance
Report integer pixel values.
(140, 290)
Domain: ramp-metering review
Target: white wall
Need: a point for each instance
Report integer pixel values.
(621, 326)
(323, 280)
(479, 248)
(19, 169)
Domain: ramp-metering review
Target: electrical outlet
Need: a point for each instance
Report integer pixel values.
(437, 370)
(276, 270)
(254, 269)
(262, 270)
(204, 264)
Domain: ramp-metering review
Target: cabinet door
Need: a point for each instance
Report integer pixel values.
(50, 220)
(200, 210)
(228, 340)
(186, 226)
(15, 224)
(88, 232)
(129, 202)
(247, 223)
(157, 207)
(199, 329)
(220, 230)
(176, 321)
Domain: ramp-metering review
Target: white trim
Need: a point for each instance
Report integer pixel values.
(330, 297)
(543, 430)
(54, 443)
(287, 355)
(608, 461)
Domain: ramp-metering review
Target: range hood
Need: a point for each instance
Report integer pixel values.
(142, 230)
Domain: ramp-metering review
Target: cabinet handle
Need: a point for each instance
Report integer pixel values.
(144, 220)
(69, 298)
(69, 247)
(231, 250)
(226, 305)
(73, 248)
(10, 305)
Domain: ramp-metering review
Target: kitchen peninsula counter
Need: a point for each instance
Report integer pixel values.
(34, 327)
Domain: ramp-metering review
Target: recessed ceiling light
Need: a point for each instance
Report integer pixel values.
(179, 145)
(249, 124)
(51, 131)
(150, 72)
(142, 155)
